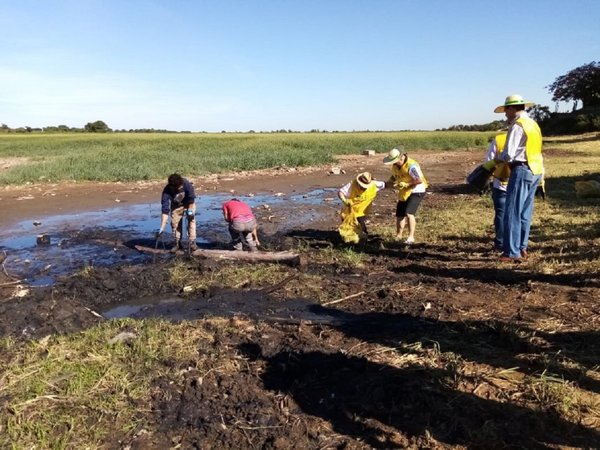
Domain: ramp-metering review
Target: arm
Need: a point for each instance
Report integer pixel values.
(225, 214)
(415, 176)
(190, 195)
(513, 141)
(255, 236)
(343, 193)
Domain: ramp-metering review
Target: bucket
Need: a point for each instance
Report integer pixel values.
(479, 178)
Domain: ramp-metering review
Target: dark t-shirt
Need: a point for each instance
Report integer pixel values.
(173, 199)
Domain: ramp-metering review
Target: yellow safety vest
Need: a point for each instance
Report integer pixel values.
(501, 170)
(360, 198)
(533, 146)
(401, 174)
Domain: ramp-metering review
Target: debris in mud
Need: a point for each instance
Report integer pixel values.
(42, 239)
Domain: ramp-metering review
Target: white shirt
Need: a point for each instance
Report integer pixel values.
(415, 174)
(514, 149)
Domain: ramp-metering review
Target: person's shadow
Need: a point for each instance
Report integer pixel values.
(395, 407)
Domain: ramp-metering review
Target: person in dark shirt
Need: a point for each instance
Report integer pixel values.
(178, 200)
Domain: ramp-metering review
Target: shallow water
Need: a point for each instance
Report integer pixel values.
(96, 238)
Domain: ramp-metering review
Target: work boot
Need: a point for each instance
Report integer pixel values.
(176, 246)
(193, 246)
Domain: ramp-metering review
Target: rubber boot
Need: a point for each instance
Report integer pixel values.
(175, 247)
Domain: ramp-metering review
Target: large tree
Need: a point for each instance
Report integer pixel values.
(580, 84)
(96, 127)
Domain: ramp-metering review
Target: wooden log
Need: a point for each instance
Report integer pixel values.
(292, 259)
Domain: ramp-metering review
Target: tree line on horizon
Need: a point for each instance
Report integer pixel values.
(579, 85)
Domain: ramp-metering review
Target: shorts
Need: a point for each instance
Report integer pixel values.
(410, 206)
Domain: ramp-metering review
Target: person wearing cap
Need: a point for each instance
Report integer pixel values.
(242, 225)
(523, 153)
(408, 178)
(178, 200)
(500, 173)
(357, 197)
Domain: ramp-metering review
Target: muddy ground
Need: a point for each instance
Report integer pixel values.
(466, 333)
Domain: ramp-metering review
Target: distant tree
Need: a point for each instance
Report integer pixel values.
(539, 113)
(581, 83)
(96, 127)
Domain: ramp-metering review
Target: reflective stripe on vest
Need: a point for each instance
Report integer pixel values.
(533, 146)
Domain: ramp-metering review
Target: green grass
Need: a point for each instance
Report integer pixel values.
(56, 387)
(133, 157)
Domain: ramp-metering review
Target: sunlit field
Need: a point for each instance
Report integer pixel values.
(133, 157)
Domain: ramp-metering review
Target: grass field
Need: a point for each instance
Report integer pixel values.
(133, 157)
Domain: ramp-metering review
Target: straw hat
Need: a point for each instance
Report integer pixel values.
(513, 100)
(364, 179)
(393, 156)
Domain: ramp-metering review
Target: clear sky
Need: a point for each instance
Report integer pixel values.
(239, 65)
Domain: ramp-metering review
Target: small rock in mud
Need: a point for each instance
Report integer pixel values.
(43, 239)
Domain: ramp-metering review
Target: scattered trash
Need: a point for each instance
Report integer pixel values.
(279, 194)
(187, 289)
(368, 152)
(117, 200)
(123, 337)
(36, 223)
(26, 197)
(250, 195)
(336, 170)
(21, 291)
(42, 239)
(426, 306)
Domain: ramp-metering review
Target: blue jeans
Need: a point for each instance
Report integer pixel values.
(519, 210)
(499, 199)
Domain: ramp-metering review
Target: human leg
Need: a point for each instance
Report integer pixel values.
(412, 205)
(176, 226)
(412, 224)
(400, 218)
(236, 237)
(527, 213)
(516, 195)
(362, 221)
(248, 229)
(499, 199)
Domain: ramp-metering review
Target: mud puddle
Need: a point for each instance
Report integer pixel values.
(99, 238)
(225, 303)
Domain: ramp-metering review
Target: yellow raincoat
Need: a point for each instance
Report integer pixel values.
(359, 204)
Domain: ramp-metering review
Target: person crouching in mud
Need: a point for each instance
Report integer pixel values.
(178, 199)
(242, 225)
(357, 196)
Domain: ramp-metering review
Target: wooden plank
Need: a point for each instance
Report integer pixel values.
(292, 259)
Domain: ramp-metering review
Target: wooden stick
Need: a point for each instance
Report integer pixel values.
(348, 297)
(278, 285)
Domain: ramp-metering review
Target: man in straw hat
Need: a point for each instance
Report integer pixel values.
(408, 178)
(357, 197)
(523, 153)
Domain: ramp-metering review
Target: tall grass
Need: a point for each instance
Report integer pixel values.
(132, 157)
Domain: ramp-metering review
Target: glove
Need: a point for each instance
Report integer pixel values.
(402, 185)
(190, 213)
(489, 166)
(159, 232)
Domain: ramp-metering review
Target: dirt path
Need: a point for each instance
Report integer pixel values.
(25, 202)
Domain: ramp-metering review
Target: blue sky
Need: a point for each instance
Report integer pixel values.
(244, 65)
